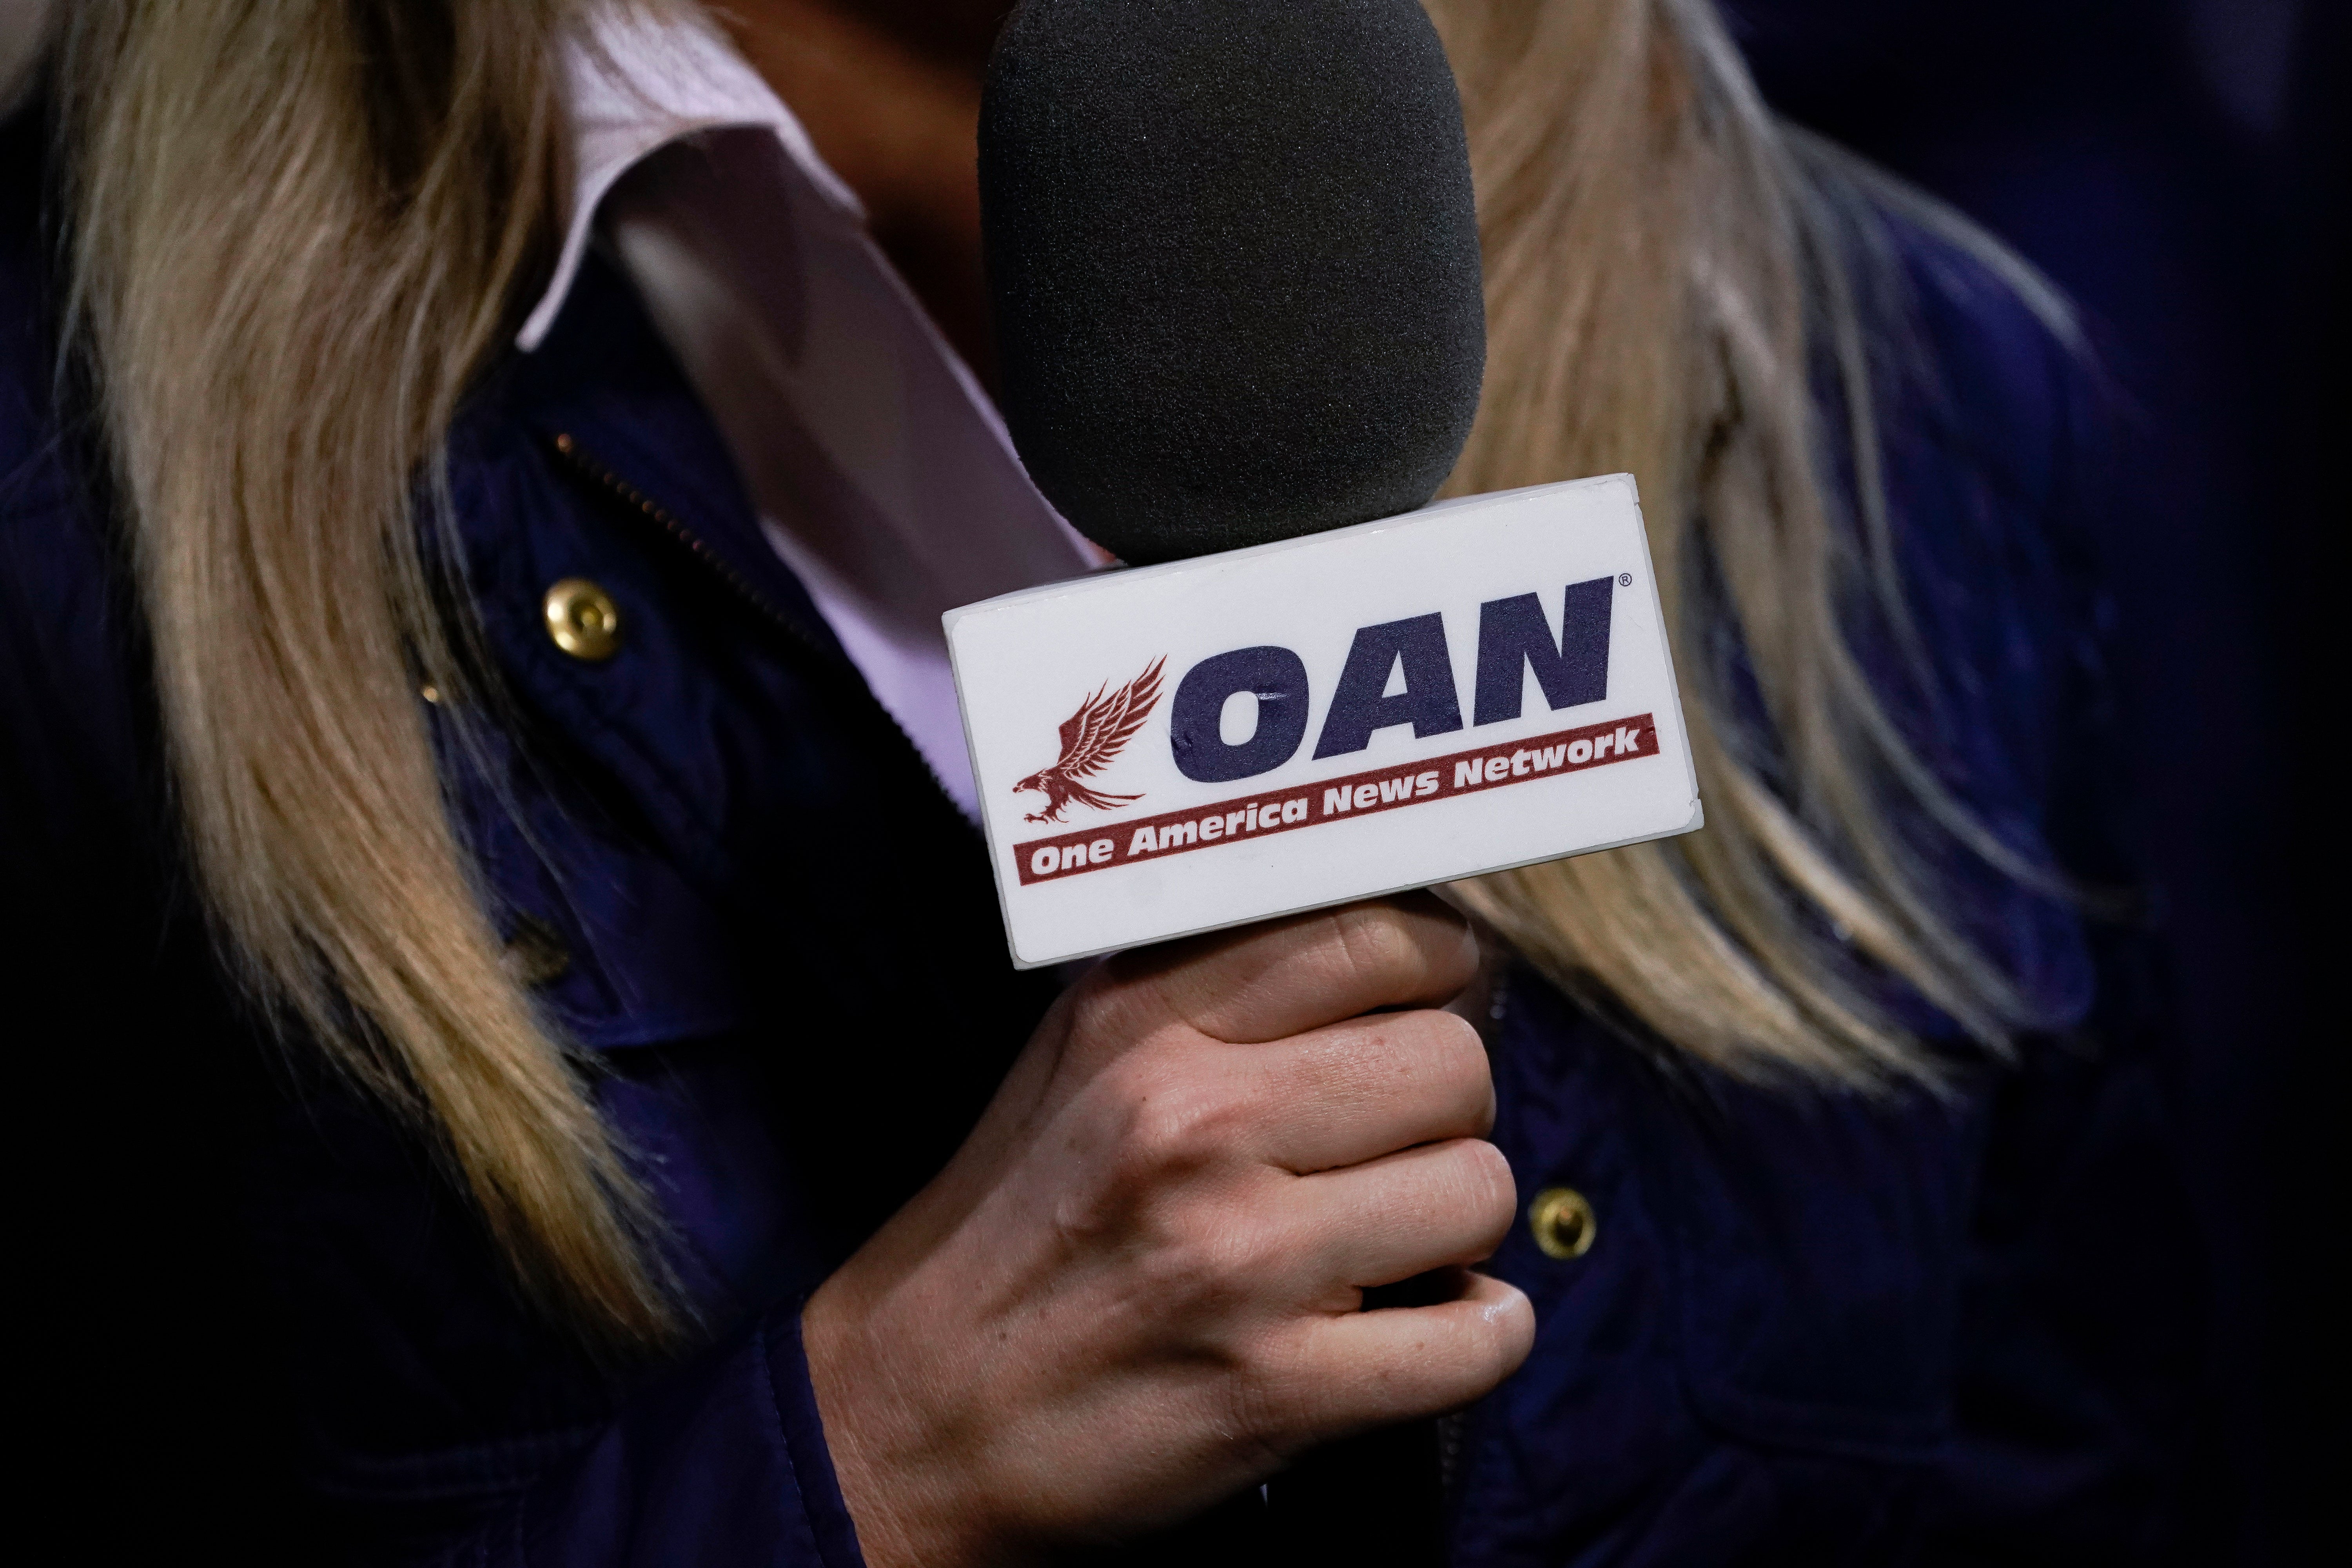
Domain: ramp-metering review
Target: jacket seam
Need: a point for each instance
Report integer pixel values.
(773, 1406)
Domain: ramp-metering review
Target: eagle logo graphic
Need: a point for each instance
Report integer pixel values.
(1091, 737)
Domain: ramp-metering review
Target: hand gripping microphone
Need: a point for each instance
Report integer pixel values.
(1234, 258)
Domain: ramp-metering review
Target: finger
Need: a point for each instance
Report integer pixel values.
(1353, 1091)
(1287, 976)
(1406, 1213)
(1351, 1370)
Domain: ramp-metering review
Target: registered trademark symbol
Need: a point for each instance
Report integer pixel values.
(1625, 579)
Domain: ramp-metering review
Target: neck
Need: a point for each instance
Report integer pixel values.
(889, 91)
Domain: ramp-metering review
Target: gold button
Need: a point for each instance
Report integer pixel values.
(1563, 1223)
(583, 619)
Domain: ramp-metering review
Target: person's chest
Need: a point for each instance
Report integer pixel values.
(734, 880)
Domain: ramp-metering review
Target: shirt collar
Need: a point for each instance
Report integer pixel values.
(638, 83)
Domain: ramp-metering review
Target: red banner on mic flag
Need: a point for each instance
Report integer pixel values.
(1354, 795)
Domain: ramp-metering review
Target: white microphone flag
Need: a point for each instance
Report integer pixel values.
(1481, 684)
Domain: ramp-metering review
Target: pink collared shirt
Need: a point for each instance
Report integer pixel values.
(880, 471)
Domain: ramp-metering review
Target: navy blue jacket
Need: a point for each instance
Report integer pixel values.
(1810, 1328)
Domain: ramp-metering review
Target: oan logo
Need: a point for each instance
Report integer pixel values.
(1396, 673)
(1091, 737)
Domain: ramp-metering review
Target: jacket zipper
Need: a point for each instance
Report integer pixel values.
(578, 459)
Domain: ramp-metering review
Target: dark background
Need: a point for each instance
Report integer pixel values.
(2176, 166)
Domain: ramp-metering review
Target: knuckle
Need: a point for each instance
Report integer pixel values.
(1442, 1056)
(1465, 1074)
(1452, 1046)
(1259, 1251)
(1384, 945)
(1466, 1046)
(1374, 942)
(1270, 1402)
(1181, 1268)
(1494, 1189)
(1208, 1264)
(1479, 1194)
(1173, 1122)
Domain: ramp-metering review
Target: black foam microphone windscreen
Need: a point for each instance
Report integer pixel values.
(1235, 259)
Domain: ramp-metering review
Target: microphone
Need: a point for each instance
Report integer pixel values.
(1234, 252)
(1234, 256)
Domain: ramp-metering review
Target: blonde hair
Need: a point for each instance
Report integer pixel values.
(1665, 270)
(300, 229)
